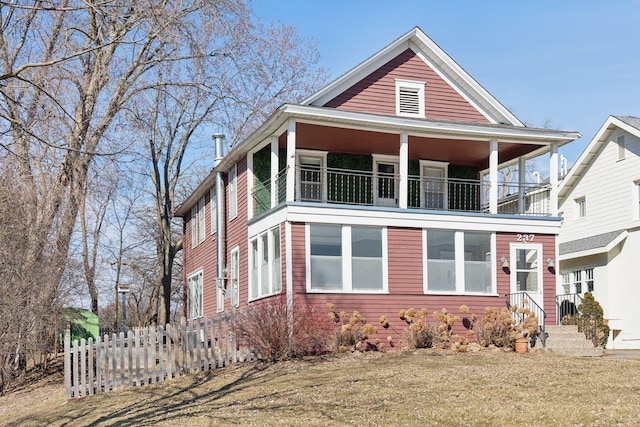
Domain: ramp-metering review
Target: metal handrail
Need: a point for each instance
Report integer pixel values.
(567, 308)
(518, 299)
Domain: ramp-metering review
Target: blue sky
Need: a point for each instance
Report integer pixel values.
(572, 63)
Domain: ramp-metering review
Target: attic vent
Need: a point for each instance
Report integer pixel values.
(409, 98)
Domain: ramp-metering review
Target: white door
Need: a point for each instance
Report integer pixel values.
(385, 188)
(526, 271)
(434, 190)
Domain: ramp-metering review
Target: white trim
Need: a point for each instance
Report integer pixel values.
(635, 200)
(250, 184)
(275, 163)
(233, 192)
(346, 261)
(271, 245)
(234, 293)
(595, 251)
(312, 154)
(513, 247)
(213, 208)
(388, 160)
(444, 166)
(404, 171)
(288, 264)
(291, 160)
(199, 272)
(393, 218)
(459, 264)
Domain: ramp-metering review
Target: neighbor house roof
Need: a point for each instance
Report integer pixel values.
(628, 123)
(592, 245)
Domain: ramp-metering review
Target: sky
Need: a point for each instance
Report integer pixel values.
(564, 64)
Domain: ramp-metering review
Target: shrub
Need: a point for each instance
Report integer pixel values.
(354, 331)
(495, 328)
(591, 320)
(420, 333)
(269, 332)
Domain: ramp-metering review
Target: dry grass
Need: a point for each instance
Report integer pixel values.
(398, 388)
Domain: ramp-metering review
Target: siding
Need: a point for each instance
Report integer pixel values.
(376, 93)
(607, 187)
(406, 287)
(237, 235)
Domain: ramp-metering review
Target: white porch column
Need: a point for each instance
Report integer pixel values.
(522, 177)
(553, 180)
(291, 160)
(274, 171)
(493, 173)
(250, 183)
(404, 171)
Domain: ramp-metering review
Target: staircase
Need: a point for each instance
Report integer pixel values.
(565, 339)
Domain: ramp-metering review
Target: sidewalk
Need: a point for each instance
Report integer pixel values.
(622, 354)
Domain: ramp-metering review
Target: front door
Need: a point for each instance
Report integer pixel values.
(385, 189)
(526, 271)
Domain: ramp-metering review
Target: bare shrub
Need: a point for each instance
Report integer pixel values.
(420, 333)
(277, 332)
(354, 331)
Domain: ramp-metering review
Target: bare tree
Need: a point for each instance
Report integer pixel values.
(233, 91)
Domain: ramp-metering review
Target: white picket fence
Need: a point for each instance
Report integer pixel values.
(154, 354)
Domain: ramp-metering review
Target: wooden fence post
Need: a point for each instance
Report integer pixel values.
(67, 362)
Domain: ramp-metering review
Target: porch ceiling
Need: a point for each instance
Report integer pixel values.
(461, 152)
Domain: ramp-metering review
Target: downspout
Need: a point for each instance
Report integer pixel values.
(220, 213)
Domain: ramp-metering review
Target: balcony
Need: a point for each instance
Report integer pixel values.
(369, 188)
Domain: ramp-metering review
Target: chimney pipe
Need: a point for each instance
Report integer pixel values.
(220, 212)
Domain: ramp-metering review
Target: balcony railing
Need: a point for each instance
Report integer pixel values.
(367, 188)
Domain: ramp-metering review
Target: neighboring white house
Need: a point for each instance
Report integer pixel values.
(599, 243)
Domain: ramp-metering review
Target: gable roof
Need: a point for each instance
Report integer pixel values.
(434, 57)
(627, 123)
(592, 245)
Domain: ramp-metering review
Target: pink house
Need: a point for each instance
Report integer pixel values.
(378, 193)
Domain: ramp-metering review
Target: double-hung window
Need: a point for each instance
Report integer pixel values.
(581, 207)
(234, 276)
(345, 258)
(311, 175)
(588, 276)
(198, 221)
(577, 281)
(265, 264)
(194, 293)
(458, 262)
(233, 192)
(213, 210)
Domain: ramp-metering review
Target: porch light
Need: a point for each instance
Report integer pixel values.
(551, 263)
(505, 263)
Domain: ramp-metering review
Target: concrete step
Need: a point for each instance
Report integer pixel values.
(565, 339)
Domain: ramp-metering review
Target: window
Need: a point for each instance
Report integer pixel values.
(311, 175)
(410, 98)
(433, 184)
(577, 281)
(214, 211)
(234, 275)
(635, 200)
(566, 283)
(198, 221)
(233, 192)
(346, 258)
(458, 262)
(220, 294)
(588, 273)
(477, 262)
(527, 270)
(621, 148)
(194, 293)
(265, 264)
(581, 207)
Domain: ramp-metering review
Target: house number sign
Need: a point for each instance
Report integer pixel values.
(525, 237)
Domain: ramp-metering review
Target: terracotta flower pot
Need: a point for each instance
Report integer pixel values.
(522, 345)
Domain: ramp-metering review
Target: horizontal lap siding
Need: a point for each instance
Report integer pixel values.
(376, 93)
(202, 256)
(237, 235)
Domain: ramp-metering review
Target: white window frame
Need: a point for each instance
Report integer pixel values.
(198, 277)
(588, 279)
(274, 280)
(635, 200)
(444, 166)
(233, 192)
(622, 149)
(220, 295)
(234, 276)
(347, 285)
(566, 283)
(581, 207)
(317, 155)
(198, 223)
(412, 86)
(460, 280)
(213, 210)
(577, 282)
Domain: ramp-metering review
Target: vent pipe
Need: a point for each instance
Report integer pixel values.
(220, 212)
